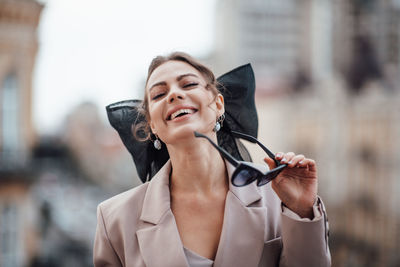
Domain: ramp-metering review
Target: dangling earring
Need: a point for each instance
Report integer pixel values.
(157, 143)
(219, 123)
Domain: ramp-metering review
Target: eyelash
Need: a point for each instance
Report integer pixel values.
(157, 96)
(190, 85)
(184, 86)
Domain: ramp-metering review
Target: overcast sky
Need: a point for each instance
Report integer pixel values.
(99, 50)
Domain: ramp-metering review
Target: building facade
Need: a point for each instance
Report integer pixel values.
(354, 141)
(18, 47)
(347, 117)
(272, 35)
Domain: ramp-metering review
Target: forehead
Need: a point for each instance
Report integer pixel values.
(170, 70)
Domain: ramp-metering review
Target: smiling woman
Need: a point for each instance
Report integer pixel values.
(188, 213)
(176, 76)
(179, 102)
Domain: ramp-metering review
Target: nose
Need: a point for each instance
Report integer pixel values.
(175, 93)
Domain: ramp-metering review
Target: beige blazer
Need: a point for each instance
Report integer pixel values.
(137, 228)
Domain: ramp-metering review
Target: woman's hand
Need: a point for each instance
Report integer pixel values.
(297, 184)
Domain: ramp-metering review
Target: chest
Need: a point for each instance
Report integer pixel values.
(200, 224)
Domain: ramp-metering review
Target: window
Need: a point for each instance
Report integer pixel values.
(9, 115)
(9, 239)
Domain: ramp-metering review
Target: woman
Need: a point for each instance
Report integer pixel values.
(190, 214)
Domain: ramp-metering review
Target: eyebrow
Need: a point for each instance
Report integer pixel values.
(179, 78)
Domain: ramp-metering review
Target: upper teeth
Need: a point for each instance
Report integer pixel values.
(178, 112)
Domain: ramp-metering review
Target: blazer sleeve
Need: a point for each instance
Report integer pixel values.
(103, 252)
(305, 243)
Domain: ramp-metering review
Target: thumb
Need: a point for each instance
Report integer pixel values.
(270, 162)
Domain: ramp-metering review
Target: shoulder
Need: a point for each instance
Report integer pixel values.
(127, 207)
(126, 204)
(118, 218)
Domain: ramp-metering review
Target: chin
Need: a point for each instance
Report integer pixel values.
(183, 133)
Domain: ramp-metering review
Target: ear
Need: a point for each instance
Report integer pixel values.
(152, 127)
(219, 102)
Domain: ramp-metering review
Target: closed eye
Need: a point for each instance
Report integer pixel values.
(157, 96)
(188, 85)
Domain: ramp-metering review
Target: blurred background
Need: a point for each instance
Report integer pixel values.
(327, 75)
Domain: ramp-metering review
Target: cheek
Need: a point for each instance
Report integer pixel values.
(210, 103)
(155, 115)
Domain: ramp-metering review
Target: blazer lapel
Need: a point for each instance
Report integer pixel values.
(240, 243)
(159, 240)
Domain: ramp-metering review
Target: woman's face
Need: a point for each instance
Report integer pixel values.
(179, 102)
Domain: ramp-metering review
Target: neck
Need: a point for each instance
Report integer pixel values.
(197, 167)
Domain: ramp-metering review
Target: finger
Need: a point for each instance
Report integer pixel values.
(287, 157)
(310, 163)
(279, 155)
(295, 160)
(270, 162)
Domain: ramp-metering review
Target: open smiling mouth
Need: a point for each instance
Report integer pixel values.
(181, 113)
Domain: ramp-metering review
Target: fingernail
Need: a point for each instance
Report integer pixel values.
(279, 155)
(301, 162)
(290, 162)
(283, 160)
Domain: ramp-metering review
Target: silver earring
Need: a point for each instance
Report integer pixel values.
(157, 143)
(217, 127)
(219, 123)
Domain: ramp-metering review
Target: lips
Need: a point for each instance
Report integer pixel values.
(180, 112)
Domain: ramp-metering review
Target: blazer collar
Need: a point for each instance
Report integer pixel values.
(240, 243)
(157, 200)
(246, 194)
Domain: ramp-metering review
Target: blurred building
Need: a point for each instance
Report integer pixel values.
(49, 185)
(63, 206)
(354, 140)
(98, 149)
(335, 98)
(290, 43)
(366, 41)
(273, 35)
(18, 47)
